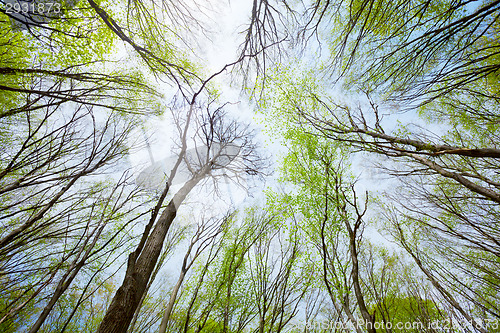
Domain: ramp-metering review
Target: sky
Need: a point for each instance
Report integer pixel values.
(229, 18)
(157, 134)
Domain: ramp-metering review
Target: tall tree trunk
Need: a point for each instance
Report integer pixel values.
(353, 234)
(128, 296)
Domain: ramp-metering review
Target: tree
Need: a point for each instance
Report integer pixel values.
(422, 108)
(73, 73)
(408, 50)
(149, 304)
(279, 277)
(243, 282)
(46, 200)
(206, 234)
(213, 131)
(217, 296)
(333, 220)
(448, 189)
(320, 134)
(65, 124)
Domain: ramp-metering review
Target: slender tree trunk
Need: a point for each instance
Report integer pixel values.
(170, 306)
(442, 290)
(61, 288)
(353, 233)
(127, 298)
(173, 296)
(369, 319)
(67, 278)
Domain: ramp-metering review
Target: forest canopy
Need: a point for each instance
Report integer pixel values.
(249, 166)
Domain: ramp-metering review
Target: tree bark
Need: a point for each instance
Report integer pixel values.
(121, 310)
